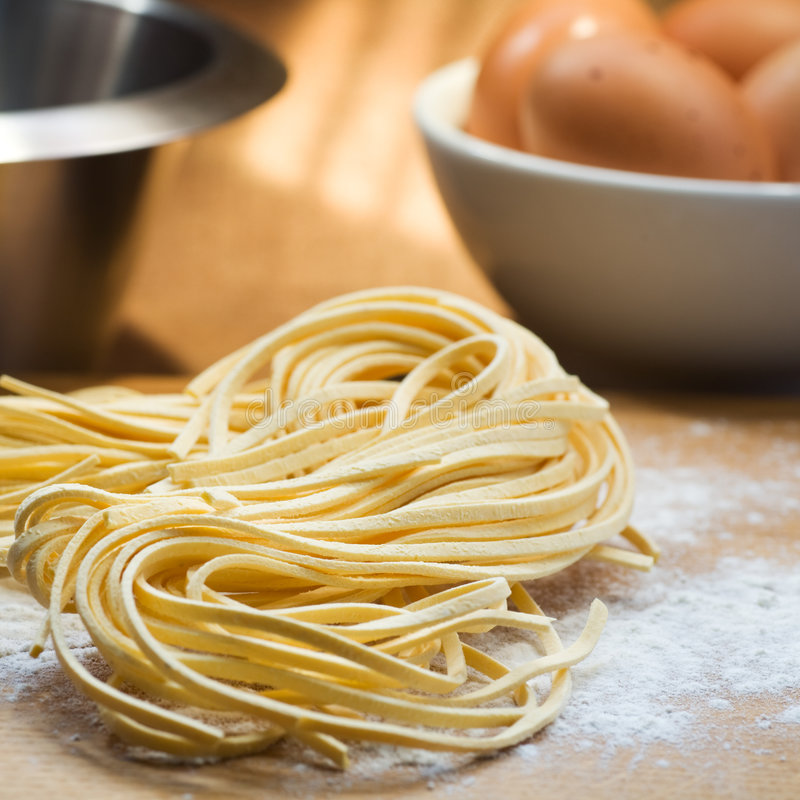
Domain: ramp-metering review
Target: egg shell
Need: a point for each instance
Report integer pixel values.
(735, 34)
(642, 103)
(524, 39)
(772, 89)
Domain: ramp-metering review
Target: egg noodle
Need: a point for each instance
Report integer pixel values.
(314, 537)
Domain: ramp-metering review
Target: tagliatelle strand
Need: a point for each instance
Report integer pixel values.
(308, 534)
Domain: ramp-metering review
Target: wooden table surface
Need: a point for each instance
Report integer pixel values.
(51, 739)
(323, 190)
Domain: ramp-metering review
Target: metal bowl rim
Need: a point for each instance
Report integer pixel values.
(241, 74)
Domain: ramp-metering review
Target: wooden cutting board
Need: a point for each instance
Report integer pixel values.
(52, 742)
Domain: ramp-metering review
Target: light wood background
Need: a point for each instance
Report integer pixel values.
(323, 189)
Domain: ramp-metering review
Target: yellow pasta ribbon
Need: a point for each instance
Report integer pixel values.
(319, 532)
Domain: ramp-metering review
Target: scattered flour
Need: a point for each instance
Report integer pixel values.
(681, 504)
(791, 715)
(686, 648)
(678, 652)
(683, 647)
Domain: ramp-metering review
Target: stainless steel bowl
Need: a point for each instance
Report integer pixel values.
(87, 89)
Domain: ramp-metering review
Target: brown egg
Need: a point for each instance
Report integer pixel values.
(640, 102)
(527, 35)
(733, 33)
(772, 89)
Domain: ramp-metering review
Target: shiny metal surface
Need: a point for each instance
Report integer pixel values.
(87, 87)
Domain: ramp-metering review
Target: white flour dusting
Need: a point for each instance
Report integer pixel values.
(682, 646)
(681, 504)
(677, 649)
(688, 648)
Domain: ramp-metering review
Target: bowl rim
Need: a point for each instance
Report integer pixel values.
(441, 122)
(241, 74)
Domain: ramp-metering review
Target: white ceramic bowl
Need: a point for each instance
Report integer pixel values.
(624, 273)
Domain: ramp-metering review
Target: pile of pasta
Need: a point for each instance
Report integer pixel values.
(315, 537)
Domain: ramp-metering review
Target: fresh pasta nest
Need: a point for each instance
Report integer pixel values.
(306, 533)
